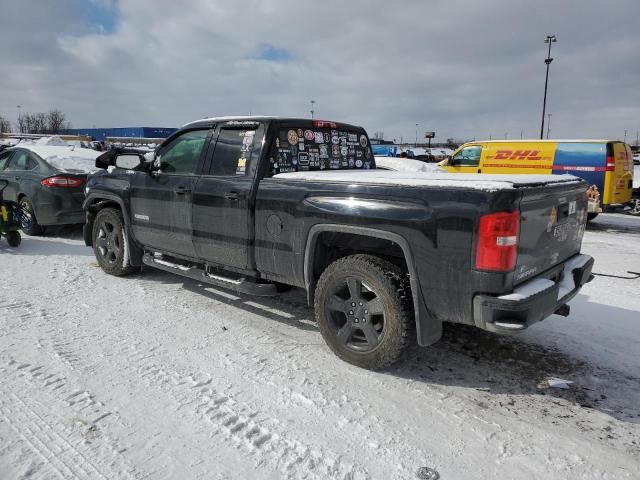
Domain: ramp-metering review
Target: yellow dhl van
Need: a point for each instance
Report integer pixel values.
(607, 165)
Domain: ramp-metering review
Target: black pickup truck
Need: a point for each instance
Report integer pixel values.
(256, 203)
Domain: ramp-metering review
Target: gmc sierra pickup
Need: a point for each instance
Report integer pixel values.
(254, 203)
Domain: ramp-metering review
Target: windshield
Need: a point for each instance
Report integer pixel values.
(305, 149)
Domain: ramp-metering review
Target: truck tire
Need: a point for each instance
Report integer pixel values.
(591, 216)
(109, 243)
(363, 310)
(635, 206)
(13, 239)
(30, 224)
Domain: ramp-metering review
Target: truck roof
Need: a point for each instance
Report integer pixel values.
(261, 118)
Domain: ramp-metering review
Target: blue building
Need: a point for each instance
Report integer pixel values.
(132, 132)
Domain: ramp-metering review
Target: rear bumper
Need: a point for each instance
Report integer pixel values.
(58, 208)
(533, 301)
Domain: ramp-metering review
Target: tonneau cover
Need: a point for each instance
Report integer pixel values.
(437, 180)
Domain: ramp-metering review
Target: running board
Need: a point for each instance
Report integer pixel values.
(240, 285)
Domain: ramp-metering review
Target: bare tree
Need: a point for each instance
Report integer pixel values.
(56, 121)
(40, 122)
(51, 122)
(378, 135)
(29, 121)
(5, 125)
(22, 125)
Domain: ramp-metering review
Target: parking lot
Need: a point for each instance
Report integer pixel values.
(158, 376)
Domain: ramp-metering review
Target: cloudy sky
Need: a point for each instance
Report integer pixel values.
(464, 68)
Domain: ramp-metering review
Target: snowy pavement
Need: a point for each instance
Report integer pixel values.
(155, 376)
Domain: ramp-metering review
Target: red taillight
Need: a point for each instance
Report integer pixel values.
(324, 124)
(61, 181)
(497, 245)
(611, 164)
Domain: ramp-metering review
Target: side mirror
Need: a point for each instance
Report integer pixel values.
(129, 161)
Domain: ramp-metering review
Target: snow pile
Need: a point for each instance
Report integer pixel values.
(406, 165)
(52, 141)
(67, 159)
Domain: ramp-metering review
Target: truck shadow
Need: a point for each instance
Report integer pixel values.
(500, 369)
(615, 223)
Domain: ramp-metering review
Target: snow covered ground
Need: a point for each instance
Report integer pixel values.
(154, 376)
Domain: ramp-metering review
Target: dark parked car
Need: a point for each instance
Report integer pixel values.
(48, 183)
(250, 203)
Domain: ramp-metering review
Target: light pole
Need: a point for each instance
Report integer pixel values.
(313, 102)
(19, 113)
(417, 134)
(550, 39)
(548, 124)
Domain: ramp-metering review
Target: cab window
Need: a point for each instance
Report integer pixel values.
(183, 153)
(233, 151)
(467, 157)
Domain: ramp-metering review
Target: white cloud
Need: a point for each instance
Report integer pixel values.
(461, 68)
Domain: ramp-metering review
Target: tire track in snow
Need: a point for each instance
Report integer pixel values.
(219, 409)
(51, 438)
(61, 454)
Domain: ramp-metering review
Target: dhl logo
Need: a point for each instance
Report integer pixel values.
(518, 155)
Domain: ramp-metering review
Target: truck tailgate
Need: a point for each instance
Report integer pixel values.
(552, 224)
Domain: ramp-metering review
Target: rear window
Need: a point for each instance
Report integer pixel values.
(306, 149)
(72, 164)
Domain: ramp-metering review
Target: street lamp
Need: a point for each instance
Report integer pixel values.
(549, 39)
(19, 112)
(313, 102)
(417, 134)
(548, 124)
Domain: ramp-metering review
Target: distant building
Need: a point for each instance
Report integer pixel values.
(131, 132)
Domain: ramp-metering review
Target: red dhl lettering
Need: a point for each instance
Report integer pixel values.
(518, 155)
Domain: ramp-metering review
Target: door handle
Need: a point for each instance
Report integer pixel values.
(182, 191)
(231, 195)
(16, 178)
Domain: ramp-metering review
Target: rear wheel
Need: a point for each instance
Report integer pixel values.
(591, 216)
(13, 238)
(30, 224)
(635, 206)
(363, 310)
(109, 243)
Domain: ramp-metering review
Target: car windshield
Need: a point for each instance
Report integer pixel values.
(304, 149)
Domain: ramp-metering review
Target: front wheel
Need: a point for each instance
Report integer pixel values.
(635, 206)
(363, 310)
(110, 243)
(14, 239)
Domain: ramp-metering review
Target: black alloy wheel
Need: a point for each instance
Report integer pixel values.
(356, 316)
(363, 309)
(110, 243)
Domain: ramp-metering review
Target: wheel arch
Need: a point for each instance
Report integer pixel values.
(429, 329)
(97, 201)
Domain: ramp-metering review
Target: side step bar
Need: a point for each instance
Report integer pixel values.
(240, 285)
